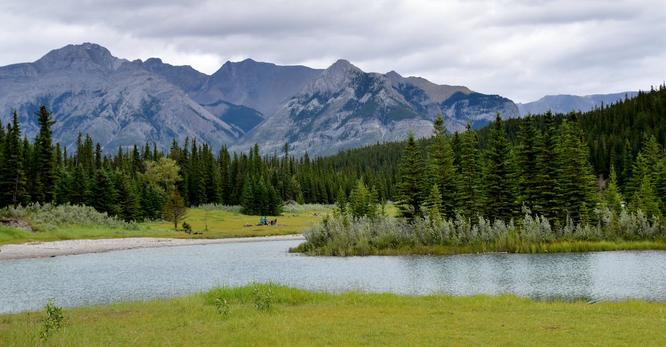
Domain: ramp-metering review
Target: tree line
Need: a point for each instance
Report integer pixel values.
(560, 167)
(142, 182)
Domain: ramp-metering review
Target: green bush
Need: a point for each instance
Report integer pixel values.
(49, 216)
(53, 321)
(341, 235)
(222, 306)
(263, 298)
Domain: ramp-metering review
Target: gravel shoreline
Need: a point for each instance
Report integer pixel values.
(73, 247)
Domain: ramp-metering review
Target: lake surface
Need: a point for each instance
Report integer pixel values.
(173, 271)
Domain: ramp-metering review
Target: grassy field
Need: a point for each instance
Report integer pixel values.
(305, 318)
(220, 223)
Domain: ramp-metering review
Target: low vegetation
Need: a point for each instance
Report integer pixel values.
(345, 235)
(303, 318)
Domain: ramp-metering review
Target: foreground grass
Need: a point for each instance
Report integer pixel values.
(544, 247)
(305, 318)
(221, 223)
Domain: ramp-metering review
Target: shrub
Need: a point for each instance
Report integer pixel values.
(222, 306)
(49, 216)
(53, 321)
(187, 227)
(263, 298)
(342, 235)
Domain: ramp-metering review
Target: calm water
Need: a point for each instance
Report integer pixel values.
(164, 272)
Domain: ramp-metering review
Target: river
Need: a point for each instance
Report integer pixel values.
(150, 273)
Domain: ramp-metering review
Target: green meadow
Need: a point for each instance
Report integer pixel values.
(293, 317)
(206, 222)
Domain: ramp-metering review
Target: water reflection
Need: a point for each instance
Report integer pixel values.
(164, 272)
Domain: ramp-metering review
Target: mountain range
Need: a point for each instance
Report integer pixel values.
(322, 111)
(572, 103)
(121, 102)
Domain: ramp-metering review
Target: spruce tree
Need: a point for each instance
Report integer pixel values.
(527, 156)
(247, 200)
(341, 201)
(434, 204)
(612, 195)
(545, 199)
(44, 159)
(359, 200)
(575, 183)
(104, 194)
(442, 168)
(471, 195)
(645, 199)
(410, 187)
(12, 175)
(500, 175)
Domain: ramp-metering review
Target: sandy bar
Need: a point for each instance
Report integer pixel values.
(71, 247)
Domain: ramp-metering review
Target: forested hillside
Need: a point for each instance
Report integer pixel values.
(534, 161)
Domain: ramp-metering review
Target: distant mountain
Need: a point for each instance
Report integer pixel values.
(121, 102)
(345, 107)
(118, 102)
(571, 103)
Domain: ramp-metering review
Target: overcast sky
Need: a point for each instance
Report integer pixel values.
(519, 49)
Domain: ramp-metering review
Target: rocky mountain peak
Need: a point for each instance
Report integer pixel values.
(85, 56)
(335, 78)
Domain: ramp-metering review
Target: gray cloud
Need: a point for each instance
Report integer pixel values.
(520, 49)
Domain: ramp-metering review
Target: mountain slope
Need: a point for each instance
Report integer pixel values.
(121, 102)
(117, 102)
(571, 103)
(261, 86)
(345, 107)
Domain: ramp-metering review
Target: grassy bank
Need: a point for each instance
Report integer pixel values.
(208, 222)
(551, 247)
(304, 318)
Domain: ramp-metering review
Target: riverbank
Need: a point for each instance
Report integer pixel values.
(528, 248)
(73, 247)
(206, 222)
(298, 317)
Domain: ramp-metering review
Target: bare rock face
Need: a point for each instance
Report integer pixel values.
(121, 103)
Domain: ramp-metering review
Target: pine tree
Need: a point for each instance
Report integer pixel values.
(660, 183)
(575, 183)
(247, 199)
(500, 175)
(12, 175)
(442, 168)
(44, 159)
(545, 203)
(471, 195)
(529, 142)
(129, 208)
(360, 204)
(434, 204)
(612, 196)
(104, 194)
(645, 199)
(341, 201)
(410, 187)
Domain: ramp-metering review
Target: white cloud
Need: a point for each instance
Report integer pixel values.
(520, 49)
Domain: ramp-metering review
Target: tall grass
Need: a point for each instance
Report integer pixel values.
(45, 217)
(344, 236)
